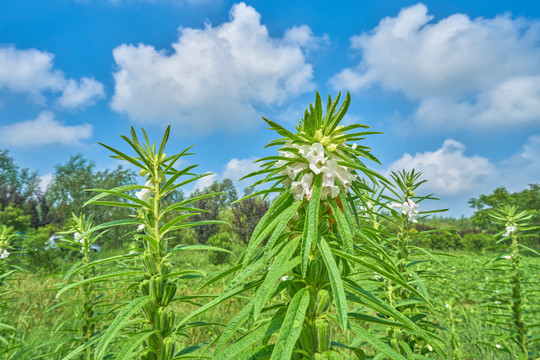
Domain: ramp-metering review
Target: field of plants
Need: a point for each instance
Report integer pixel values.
(341, 263)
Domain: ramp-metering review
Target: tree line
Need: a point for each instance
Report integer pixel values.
(37, 213)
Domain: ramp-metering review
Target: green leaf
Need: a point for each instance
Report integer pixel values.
(265, 226)
(280, 267)
(74, 269)
(285, 217)
(182, 248)
(133, 343)
(97, 279)
(398, 279)
(292, 325)
(164, 141)
(336, 284)
(81, 348)
(311, 225)
(376, 342)
(119, 322)
(250, 339)
(343, 227)
(233, 326)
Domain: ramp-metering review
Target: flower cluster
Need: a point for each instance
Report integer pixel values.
(509, 229)
(409, 208)
(4, 254)
(312, 161)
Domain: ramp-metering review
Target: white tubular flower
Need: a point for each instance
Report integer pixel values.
(395, 205)
(294, 169)
(140, 227)
(144, 194)
(509, 229)
(316, 158)
(409, 208)
(353, 146)
(302, 188)
(498, 346)
(284, 278)
(507, 257)
(4, 254)
(344, 176)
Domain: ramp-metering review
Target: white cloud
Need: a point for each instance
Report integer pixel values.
(32, 72)
(77, 95)
(238, 168)
(235, 169)
(464, 72)
(204, 182)
(448, 170)
(44, 130)
(213, 78)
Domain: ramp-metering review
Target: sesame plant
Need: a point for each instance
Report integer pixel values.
(388, 215)
(156, 337)
(85, 269)
(410, 260)
(8, 332)
(511, 304)
(298, 267)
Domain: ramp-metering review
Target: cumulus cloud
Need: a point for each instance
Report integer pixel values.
(448, 170)
(235, 169)
(79, 94)
(464, 72)
(32, 72)
(213, 78)
(44, 130)
(238, 168)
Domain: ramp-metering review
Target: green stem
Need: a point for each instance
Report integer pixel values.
(517, 298)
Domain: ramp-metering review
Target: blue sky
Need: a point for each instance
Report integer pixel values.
(454, 86)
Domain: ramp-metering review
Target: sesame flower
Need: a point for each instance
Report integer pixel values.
(409, 208)
(509, 229)
(317, 163)
(4, 254)
(140, 227)
(145, 193)
(284, 278)
(507, 257)
(498, 346)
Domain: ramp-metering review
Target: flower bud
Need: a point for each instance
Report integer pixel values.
(166, 268)
(144, 287)
(306, 340)
(143, 172)
(168, 294)
(167, 349)
(149, 263)
(149, 310)
(324, 300)
(147, 355)
(156, 288)
(323, 334)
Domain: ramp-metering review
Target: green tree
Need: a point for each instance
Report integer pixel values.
(20, 188)
(226, 194)
(247, 214)
(68, 192)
